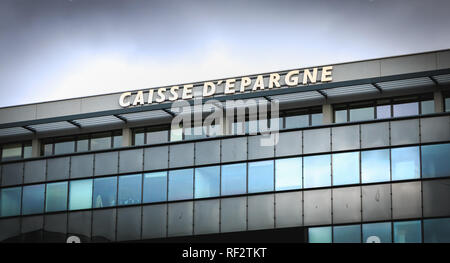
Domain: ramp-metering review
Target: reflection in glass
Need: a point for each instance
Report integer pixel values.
(288, 174)
(117, 140)
(316, 119)
(130, 189)
(377, 233)
(207, 181)
(319, 234)
(154, 137)
(317, 171)
(436, 230)
(407, 232)
(100, 141)
(11, 152)
(155, 187)
(447, 104)
(83, 145)
(375, 166)
(260, 176)
(105, 191)
(427, 106)
(406, 109)
(176, 134)
(346, 168)
(298, 121)
(181, 184)
(10, 199)
(139, 137)
(27, 151)
(234, 179)
(347, 234)
(383, 112)
(33, 199)
(64, 147)
(362, 114)
(56, 197)
(405, 163)
(340, 116)
(435, 160)
(80, 194)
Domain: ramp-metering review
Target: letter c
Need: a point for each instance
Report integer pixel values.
(122, 102)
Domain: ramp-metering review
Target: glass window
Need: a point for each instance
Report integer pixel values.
(406, 109)
(316, 119)
(130, 189)
(377, 233)
(288, 174)
(317, 171)
(155, 187)
(83, 144)
(117, 139)
(427, 106)
(345, 168)
(447, 104)
(340, 116)
(66, 146)
(105, 192)
(33, 199)
(375, 166)
(181, 184)
(405, 163)
(139, 137)
(48, 149)
(207, 181)
(56, 197)
(27, 150)
(176, 134)
(407, 232)
(435, 160)
(260, 176)
(10, 199)
(11, 152)
(319, 234)
(101, 141)
(362, 114)
(436, 230)
(80, 194)
(347, 234)
(234, 179)
(154, 137)
(298, 121)
(383, 112)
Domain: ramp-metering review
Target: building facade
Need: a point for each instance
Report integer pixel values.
(362, 155)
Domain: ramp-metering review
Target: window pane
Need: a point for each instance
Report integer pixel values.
(207, 181)
(288, 174)
(181, 184)
(154, 137)
(105, 191)
(407, 232)
(347, 234)
(447, 104)
(139, 137)
(48, 149)
(317, 171)
(297, 121)
(82, 145)
(56, 197)
(33, 199)
(10, 201)
(155, 187)
(375, 166)
(27, 151)
(377, 233)
(260, 176)
(427, 106)
(346, 168)
(101, 141)
(362, 114)
(234, 179)
(319, 234)
(340, 116)
(316, 119)
(117, 140)
(11, 152)
(80, 194)
(405, 163)
(435, 160)
(436, 230)
(383, 112)
(406, 109)
(130, 189)
(64, 147)
(176, 134)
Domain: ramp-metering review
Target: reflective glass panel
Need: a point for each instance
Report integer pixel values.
(436, 230)
(82, 145)
(383, 112)
(105, 192)
(362, 114)
(11, 152)
(101, 141)
(427, 106)
(288, 174)
(447, 104)
(319, 234)
(176, 134)
(297, 121)
(435, 160)
(316, 119)
(405, 163)
(80, 194)
(10, 199)
(33, 199)
(181, 184)
(130, 189)
(48, 149)
(207, 181)
(260, 176)
(117, 140)
(340, 116)
(377, 233)
(407, 232)
(64, 147)
(346, 168)
(347, 234)
(56, 197)
(406, 109)
(27, 151)
(375, 166)
(234, 179)
(317, 171)
(154, 137)
(139, 137)
(155, 187)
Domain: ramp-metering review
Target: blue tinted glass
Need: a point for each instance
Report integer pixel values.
(288, 174)
(405, 163)
(317, 171)
(319, 234)
(33, 199)
(427, 106)
(297, 121)
(155, 187)
(407, 232)
(10, 201)
(316, 119)
(80, 194)
(56, 197)
(347, 234)
(375, 166)
(383, 112)
(362, 114)
(406, 109)
(435, 160)
(260, 176)
(377, 233)
(346, 168)
(234, 179)
(105, 192)
(181, 184)
(130, 189)
(207, 181)
(436, 230)
(64, 147)
(340, 116)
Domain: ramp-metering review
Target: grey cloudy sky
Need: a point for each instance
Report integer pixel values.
(62, 49)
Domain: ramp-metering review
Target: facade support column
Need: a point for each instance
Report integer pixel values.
(35, 147)
(438, 101)
(327, 111)
(126, 137)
